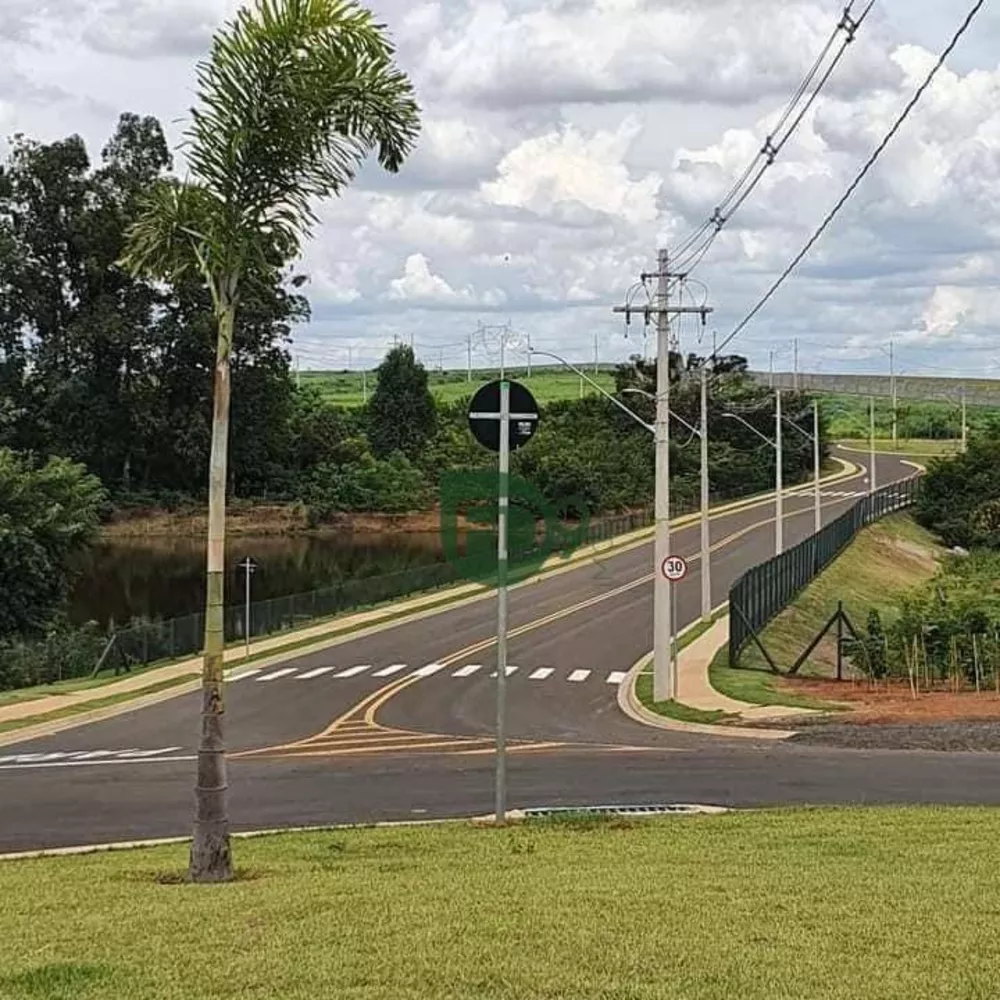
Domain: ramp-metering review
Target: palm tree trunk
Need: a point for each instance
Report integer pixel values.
(211, 856)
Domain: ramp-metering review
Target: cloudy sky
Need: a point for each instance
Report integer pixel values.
(564, 140)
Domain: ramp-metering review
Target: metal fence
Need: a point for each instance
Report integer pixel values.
(151, 641)
(766, 590)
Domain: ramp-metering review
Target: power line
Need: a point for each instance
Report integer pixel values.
(861, 176)
(693, 250)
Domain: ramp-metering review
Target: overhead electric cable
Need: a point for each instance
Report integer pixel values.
(691, 252)
(911, 104)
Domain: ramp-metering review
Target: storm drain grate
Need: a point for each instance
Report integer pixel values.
(655, 810)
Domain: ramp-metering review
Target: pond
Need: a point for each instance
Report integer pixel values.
(164, 577)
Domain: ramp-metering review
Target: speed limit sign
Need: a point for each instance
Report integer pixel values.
(674, 568)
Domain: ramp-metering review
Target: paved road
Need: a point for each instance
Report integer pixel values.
(398, 723)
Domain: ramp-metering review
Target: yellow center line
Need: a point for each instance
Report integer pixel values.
(358, 722)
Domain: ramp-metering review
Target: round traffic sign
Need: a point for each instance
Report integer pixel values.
(674, 568)
(484, 416)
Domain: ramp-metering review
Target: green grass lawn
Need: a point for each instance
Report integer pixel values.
(882, 562)
(817, 904)
(546, 384)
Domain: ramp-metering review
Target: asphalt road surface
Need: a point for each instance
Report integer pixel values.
(399, 724)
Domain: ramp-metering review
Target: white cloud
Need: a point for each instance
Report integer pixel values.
(563, 138)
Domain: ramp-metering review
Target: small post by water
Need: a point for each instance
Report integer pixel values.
(248, 566)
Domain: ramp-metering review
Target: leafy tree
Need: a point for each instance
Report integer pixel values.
(958, 495)
(295, 96)
(401, 413)
(48, 513)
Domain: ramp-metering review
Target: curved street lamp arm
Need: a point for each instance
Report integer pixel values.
(750, 427)
(587, 378)
(676, 416)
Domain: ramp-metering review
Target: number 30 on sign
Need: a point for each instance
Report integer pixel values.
(674, 568)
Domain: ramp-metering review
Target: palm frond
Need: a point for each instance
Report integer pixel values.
(174, 233)
(294, 97)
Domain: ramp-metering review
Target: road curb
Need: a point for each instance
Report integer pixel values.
(632, 707)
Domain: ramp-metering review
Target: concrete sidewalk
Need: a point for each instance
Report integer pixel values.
(694, 688)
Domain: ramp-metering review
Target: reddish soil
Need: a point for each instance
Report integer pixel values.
(894, 703)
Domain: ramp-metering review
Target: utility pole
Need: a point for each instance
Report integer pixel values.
(779, 512)
(965, 425)
(892, 390)
(817, 508)
(770, 369)
(664, 675)
(596, 355)
(795, 364)
(706, 553)
(871, 437)
(298, 374)
(364, 385)
(469, 367)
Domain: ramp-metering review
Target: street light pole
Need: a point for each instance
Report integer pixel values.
(664, 681)
(871, 444)
(664, 675)
(706, 560)
(778, 505)
(818, 516)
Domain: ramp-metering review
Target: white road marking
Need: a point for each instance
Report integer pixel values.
(95, 753)
(579, 675)
(318, 672)
(94, 763)
(278, 673)
(510, 670)
(541, 673)
(468, 671)
(354, 671)
(431, 668)
(617, 676)
(389, 671)
(246, 673)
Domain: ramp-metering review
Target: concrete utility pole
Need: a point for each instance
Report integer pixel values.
(770, 370)
(871, 434)
(817, 512)
(779, 536)
(469, 366)
(892, 390)
(706, 555)
(795, 364)
(664, 675)
(596, 354)
(965, 425)
(364, 385)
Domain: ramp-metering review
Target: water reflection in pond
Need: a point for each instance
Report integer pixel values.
(123, 579)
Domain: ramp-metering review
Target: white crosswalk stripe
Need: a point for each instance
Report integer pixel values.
(510, 670)
(579, 675)
(468, 671)
(541, 674)
(395, 668)
(431, 668)
(354, 671)
(278, 673)
(318, 672)
(617, 676)
(244, 675)
(77, 758)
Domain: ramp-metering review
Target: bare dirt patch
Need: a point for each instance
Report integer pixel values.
(890, 718)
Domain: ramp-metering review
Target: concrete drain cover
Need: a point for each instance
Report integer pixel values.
(660, 810)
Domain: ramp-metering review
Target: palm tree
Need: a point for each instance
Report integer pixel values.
(293, 98)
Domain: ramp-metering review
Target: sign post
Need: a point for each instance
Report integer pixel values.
(248, 566)
(501, 427)
(674, 569)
